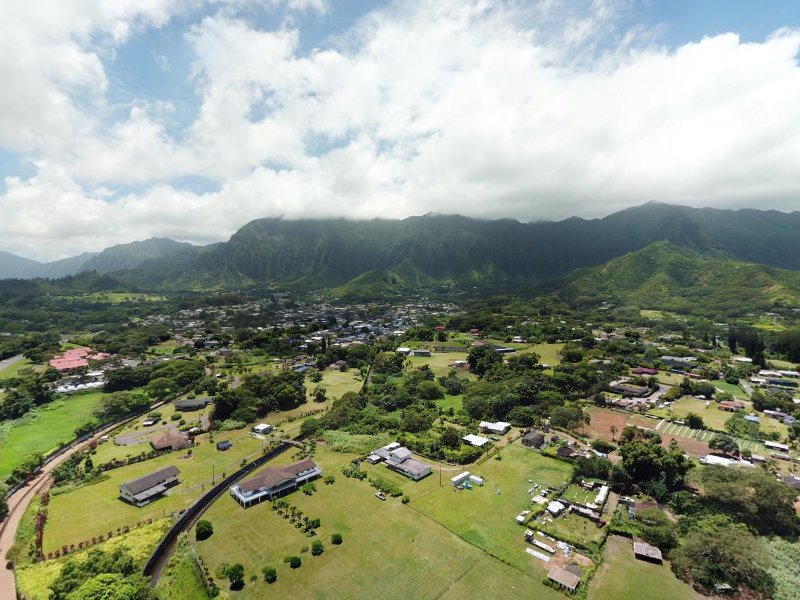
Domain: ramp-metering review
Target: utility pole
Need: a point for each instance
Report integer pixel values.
(212, 474)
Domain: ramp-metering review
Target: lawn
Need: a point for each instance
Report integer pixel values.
(454, 402)
(13, 370)
(622, 577)
(390, 550)
(439, 362)
(548, 353)
(713, 417)
(486, 519)
(731, 388)
(73, 515)
(44, 429)
(572, 527)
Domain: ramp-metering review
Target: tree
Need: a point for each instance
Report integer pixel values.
(319, 394)
(294, 561)
(270, 574)
(656, 528)
(451, 438)
(336, 539)
(613, 430)
(694, 421)
(317, 548)
(429, 390)
(236, 576)
(724, 443)
(482, 358)
(204, 530)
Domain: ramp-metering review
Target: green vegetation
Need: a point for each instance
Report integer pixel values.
(180, 578)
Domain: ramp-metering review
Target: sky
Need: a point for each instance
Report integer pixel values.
(124, 120)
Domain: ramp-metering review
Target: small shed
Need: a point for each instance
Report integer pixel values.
(263, 428)
(475, 440)
(555, 508)
(476, 480)
(564, 452)
(644, 551)
(565, 579)
(224, 445)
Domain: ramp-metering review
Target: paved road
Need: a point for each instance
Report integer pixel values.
(10, 361)
(18, 502)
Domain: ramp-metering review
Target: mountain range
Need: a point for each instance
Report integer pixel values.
(652, 248)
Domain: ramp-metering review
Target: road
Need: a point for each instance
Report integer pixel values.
(17, 504)
(10, 361)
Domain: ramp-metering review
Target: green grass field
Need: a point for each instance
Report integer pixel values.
(13, 370)
(73, 516)
(390, 550)
(44, 429)
(548, 353)
(486, 519)
(713, 417)
(622, 577)
(732, 389)
(180, 578)
(439, 362)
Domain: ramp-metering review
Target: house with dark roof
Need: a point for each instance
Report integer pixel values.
(274, 482)
(189, 404)
(533, 439)
(171, 439)
(144, 490)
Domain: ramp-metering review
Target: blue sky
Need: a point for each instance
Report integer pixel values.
(188, 118)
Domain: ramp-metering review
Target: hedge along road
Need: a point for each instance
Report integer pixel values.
(155, 565)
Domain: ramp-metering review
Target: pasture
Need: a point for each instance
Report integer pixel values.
(389, 550)
(44, 429)
(622, 577)
(485, 518)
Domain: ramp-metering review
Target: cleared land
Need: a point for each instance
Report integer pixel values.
(13, 369)
(622, 577)
(486, 519)
(44, 429)
(389, 550)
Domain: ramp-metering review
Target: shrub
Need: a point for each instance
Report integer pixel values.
(317, 548)
(270, 574)
(406, 500)
(309, 489)
(294, 561)
(175, 417)
(329, 479)
(204, 530)
(336, 539)
(222, 571)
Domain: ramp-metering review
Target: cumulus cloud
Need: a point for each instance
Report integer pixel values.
(510, 109)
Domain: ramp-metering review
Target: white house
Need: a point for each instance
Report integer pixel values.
(263, 428)
(275, 481)
(475, 440)
(498, 428)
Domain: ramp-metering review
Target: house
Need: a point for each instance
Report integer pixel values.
(565, 579)
(533, 439)
(731, 405)
(776, 446)
(150, 487)
(475, 440)
(420, 352)
(498, 428)
(275, 481)
(400, 461)
(644, 371)
(171, 439)
(628, 389)
(555, 508)
(189, 404)
(263, 428)
(644, 551)
(403, 350)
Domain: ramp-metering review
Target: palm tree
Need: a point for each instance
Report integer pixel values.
(613, 432)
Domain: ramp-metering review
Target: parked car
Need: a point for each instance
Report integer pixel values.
(380, 496)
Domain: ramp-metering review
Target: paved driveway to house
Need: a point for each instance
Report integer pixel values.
(10, 361)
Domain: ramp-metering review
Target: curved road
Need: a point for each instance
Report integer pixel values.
(17, 504)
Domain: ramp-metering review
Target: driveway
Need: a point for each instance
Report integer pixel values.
(10, 361)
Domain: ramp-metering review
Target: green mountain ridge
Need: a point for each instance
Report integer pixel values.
(664, 276)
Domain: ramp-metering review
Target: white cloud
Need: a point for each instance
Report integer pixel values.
(489, 109)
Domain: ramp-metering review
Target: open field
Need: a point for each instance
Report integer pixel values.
(44, 429)
(14, 369)
(439, 362)
(695, 441)
(336, 383)
(454, 402)
(180, 578)
(622, 577)
(33, 580)
(389, 550)
(713, 417)
(115, 297)
(73, 516)
(486, 519)
(732, 389)
(548, 353)
(572, 527)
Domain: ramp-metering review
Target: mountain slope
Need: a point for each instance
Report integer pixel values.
(665, 276)
(127, 256)
(469, 253)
